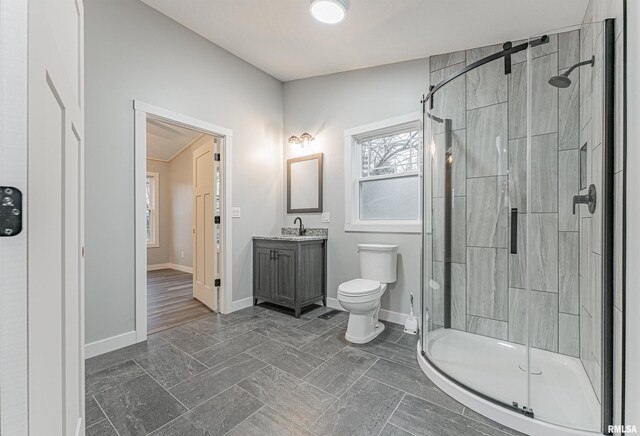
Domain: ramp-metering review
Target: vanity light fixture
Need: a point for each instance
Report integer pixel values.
(303, 140)
(329, 11)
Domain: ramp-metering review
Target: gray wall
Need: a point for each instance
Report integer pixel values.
(162, 254)
(134, 52)
(326, 106)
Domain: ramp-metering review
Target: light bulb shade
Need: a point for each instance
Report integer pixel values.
(329, 11)
(305, 139)
(294, 140)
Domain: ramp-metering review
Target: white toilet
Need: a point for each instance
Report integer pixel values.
(361, 297)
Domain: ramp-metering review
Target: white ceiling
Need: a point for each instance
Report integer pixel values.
(165, 141)
(281, 38)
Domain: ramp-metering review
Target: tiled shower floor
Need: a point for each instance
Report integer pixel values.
(259, 371)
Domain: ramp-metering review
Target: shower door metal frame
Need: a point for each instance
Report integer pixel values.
(608, 205)
(508, 50)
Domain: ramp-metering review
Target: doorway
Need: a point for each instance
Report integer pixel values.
(182, 230)
(181, 199)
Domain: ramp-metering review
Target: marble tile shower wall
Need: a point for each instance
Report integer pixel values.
(591, 124)
(488, 110)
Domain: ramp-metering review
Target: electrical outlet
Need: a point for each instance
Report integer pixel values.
(235, 212)
(326, 217)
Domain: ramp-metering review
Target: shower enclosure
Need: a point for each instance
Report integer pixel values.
(517, 238)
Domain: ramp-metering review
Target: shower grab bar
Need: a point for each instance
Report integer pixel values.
(514, 231)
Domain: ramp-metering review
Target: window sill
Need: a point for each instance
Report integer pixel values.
(153, 245)
(384, 227)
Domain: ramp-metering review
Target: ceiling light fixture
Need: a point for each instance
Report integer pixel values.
(329, 11)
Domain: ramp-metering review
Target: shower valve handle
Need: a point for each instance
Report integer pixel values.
(589, 199)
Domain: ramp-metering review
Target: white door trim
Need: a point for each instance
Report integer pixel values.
(13, 251)
(142, 110)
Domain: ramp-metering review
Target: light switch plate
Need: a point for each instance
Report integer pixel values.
(235, 212)
(326, 217)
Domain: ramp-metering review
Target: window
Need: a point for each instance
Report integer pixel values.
(152, 187)
(383, 170)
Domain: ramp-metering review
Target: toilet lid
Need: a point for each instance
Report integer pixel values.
(359, 287)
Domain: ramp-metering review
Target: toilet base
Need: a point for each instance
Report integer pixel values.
(364, 339)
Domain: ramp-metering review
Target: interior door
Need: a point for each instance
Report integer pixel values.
(204, 235)
(55, 218)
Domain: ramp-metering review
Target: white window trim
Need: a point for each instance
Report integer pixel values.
(352, 222)
(155, 211)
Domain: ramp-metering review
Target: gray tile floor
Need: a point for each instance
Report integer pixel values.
(263, 372)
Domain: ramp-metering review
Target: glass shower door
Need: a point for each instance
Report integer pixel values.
(474, 193)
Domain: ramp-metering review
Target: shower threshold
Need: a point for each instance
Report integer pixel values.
(560, 394)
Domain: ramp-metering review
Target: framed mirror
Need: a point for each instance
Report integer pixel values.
(304, 184)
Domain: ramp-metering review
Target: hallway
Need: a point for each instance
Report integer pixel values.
(170, 300)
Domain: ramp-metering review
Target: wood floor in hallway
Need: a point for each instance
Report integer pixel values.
(170, 300)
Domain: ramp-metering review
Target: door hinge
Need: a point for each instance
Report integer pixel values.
(10, 211)
(216, 219)
(216, 283)
(216, 157)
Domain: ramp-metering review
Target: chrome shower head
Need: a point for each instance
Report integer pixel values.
(563, 81)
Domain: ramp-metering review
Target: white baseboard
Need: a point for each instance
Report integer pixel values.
(105, 345)
(241, 304)
(175, 266)
(182, 268)
(385, 315)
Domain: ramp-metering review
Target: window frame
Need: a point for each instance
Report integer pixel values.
(353, 176)
(154, 208)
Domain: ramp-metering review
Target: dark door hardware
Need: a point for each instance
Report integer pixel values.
(216, 157)
(514, 231)
(589, 199)
(507, 57)
(216, 219)
(216, 283)
(10, 211)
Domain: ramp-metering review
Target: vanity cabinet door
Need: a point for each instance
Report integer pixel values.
(265, 273)
(286, 279)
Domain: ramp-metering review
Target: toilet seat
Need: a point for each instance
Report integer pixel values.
(361, 298)
(359, 288)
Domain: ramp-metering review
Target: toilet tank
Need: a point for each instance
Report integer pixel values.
(378, 262)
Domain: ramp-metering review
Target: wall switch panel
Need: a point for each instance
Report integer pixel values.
(326, 217)
(235, 212)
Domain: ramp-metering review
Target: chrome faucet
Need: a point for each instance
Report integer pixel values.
(302, 230)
